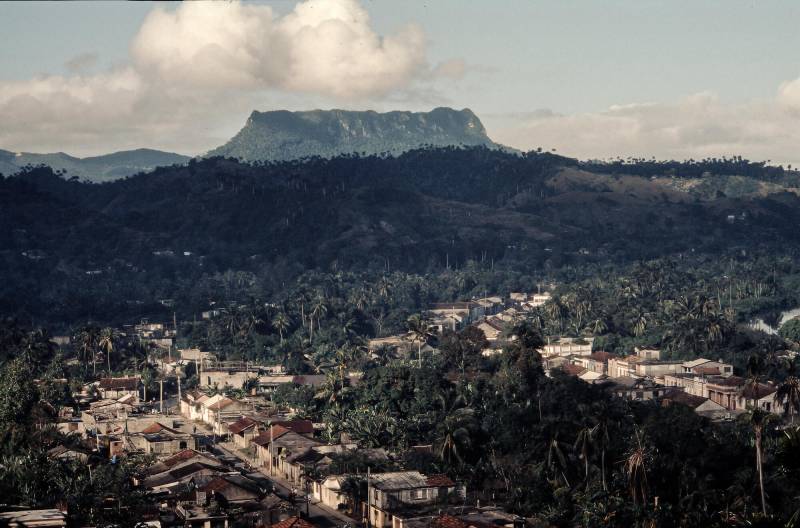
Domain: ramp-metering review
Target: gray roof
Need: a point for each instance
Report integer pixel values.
(398, 480)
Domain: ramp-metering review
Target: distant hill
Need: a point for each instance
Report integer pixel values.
(283, 135)
(72, 250)
(96, 168)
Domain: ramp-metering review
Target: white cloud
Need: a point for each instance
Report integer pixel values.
(191, 66)
(696, 126)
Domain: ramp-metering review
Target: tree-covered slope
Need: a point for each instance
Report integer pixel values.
(150, 237)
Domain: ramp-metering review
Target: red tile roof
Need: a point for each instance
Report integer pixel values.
(241, 424)
(708, 371)
(448, 521)
(180, 456)
(756, 393)
(573, 370)
(215, 484)
(156, 427)
(224, 402)
(733, 381)
(298, 426)
(439, 481)
(601, 356)
(294, 522)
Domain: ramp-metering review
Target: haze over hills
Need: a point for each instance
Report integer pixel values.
(283, 135)
(96, 168)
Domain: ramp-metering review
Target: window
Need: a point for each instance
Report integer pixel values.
(418, 494)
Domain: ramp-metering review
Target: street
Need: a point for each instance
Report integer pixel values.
(319, 514)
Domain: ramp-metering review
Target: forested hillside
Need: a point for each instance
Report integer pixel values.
(154, 236)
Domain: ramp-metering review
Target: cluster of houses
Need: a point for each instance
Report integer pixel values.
(707, 386)
(493, 315)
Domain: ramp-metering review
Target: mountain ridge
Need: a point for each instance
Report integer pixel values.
(102, 168)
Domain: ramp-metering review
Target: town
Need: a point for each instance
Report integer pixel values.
(234, 442)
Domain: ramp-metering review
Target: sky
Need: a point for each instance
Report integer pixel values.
(666, 79)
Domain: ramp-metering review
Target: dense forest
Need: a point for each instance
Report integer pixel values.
(73, 251)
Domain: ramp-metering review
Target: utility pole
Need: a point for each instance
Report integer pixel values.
(161, 395)
(271, 439)
(369, 502)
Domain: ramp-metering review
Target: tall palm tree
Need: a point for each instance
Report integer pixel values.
(557, 458)
(318, 309)
(584, 445)
(106, 343)
(455, 430)
(420, 327)
(788, 393)
(636, 470)
(281, 323)
(758, 420)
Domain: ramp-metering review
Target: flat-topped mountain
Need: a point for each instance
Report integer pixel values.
(96, 168)
(283, 135)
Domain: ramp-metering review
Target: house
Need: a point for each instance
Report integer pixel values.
(195, 471)
(220, 378)
(160, 440)
(329, 492)
(567, 346)
(702, 406)
(491, 305)
(635, 388)
(693, 384)
(759, 396)
(232, 489)
(193, 516)
(596, 362)
(62, 452)
(643, 363)
(279, 451)
(182, 457)
(469, 311)
(33, 518)
(395, 497)
(294, 522)
(539, 299)
(244, 430)
(492, 328)
(707, 367)
(114, 388)
(725, 391)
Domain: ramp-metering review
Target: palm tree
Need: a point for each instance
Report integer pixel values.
(788, 393)
(318, 309)
(758, 420)
(455, 430)
(87, 338)
(584, 444)
(601, 436)
(106, 342)
(556, 456)
(636, 470)
(281, 323)
(419, 326)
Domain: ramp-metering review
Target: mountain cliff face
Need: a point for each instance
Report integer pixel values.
(96, 168)
(283, 135)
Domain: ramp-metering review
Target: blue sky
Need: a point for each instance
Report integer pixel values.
(591, 79)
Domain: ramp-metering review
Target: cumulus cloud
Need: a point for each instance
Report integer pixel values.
(204, 59)
(696, 126)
